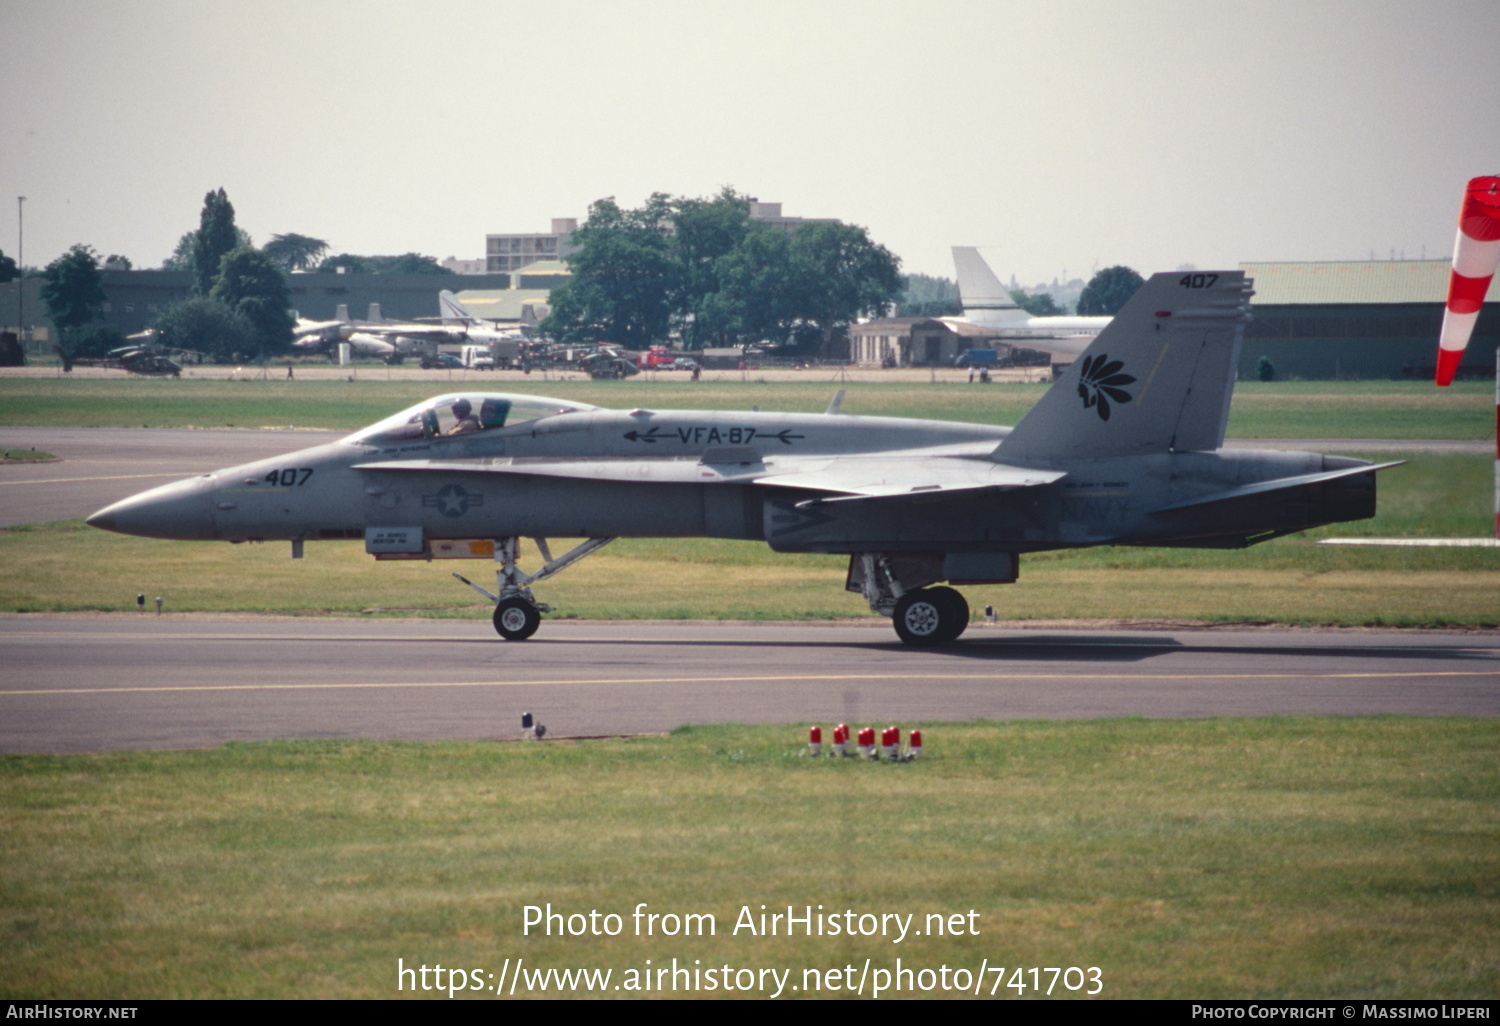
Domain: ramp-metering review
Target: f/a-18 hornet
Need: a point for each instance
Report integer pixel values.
(1125, 449)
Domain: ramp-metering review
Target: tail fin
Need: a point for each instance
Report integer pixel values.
(341, 312)
(1157, 379)
(453, 311)
(985, 299)
(373, 315)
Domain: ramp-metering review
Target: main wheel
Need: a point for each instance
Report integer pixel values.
(516, 619)
(958, 605)
(924, 619)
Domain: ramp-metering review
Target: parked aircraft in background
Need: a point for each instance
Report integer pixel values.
(989, 304)
(1126, 449)
(375, 336)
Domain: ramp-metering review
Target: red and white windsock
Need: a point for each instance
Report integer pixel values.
(1476, 253)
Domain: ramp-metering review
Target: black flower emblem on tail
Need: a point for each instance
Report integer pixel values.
(1100, 381)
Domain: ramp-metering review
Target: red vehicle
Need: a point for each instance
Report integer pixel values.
(657, 358)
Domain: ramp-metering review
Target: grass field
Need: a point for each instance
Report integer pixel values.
(1374, 409)
(1332, 858)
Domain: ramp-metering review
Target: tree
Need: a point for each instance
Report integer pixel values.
(251, 286)
(1108, 290)
(74, 291)
(352, 264)
(624, 278)
(757, 292)
(216, 236)
(206, 326)
(294, 252)
(1040, 305)
(116, 262)
(842, 274)
(9, 270)
(406, 263)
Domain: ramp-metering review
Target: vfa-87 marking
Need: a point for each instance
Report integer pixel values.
(913, 503)
(711, 434)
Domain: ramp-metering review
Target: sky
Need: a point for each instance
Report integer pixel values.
(1062, 137)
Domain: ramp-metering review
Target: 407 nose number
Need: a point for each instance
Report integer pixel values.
(291, 477)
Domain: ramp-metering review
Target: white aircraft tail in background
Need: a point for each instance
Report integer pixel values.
(989, 304)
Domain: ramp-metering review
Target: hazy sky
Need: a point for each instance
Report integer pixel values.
(1061, 136)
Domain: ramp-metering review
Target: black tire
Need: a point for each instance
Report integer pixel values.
(516, 619)
(923, 619)
(958, 607)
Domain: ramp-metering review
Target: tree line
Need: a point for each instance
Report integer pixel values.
(240, 309)
(702, 273)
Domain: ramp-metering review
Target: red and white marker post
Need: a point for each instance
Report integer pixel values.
(1476, 254)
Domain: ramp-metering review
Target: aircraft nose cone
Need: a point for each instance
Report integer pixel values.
(104, 519)
(181, 510)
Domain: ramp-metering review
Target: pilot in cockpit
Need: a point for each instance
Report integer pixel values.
(464, 419)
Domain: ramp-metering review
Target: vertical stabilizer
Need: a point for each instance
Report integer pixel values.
(985, 299)
(453, 311)
(1157, 379)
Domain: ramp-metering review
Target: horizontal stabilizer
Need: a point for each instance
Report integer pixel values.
(1276, 485)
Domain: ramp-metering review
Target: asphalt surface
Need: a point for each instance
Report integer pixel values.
(86, 683)
(98, 466)
(136, 681)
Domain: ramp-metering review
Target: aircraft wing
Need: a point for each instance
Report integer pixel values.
(863, 478)
(848, 477)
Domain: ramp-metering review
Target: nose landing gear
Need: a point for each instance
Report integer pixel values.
(517, 612)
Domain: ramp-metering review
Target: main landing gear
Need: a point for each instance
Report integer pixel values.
(517, 612)
(893, 586)
(930, 616)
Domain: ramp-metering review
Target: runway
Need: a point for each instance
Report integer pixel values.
(83, 683)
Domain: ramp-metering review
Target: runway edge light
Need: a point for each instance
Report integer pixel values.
(815, 741)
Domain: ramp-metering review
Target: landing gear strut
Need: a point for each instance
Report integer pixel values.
(517, 612)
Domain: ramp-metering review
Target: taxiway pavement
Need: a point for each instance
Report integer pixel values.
(85, 683)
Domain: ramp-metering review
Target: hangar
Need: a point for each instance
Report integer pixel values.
(1357, 319)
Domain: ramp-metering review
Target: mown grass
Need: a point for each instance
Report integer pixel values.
(1380, 409)
(1291, 580)
(1222, 858)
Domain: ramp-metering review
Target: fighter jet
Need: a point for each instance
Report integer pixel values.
(1126, 449)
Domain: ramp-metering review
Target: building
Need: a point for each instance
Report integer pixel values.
(918, 342)
(506, 253)
(524, 300)
(770, 214)
(134, 299)
(1357, 319)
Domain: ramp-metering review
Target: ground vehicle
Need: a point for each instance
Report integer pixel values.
(977, 358)
(441, 361)
(478, 357)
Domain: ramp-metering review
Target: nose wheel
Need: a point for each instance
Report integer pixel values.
(516, 619)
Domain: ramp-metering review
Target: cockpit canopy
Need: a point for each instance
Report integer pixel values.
(462, 413)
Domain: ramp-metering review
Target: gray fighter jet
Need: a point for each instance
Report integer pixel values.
(1124, 450)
